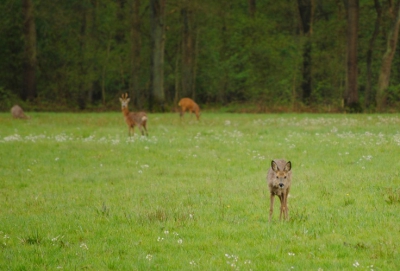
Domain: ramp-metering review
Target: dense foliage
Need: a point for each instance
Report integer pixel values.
(273, 54)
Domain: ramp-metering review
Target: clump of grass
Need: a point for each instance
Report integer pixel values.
(392, 196)
(349, 201)
(104, 210)
(32, 239)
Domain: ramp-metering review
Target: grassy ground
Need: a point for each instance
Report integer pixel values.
(77, 193)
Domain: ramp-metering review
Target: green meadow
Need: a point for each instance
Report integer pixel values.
(77, 193)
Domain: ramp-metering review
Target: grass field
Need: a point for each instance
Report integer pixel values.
(76, 193)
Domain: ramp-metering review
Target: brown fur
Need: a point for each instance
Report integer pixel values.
(279, 178)
(18, 113)
(133, 119)
(188, 104)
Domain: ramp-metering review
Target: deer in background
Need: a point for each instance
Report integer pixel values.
(133, 119)
(18, 113)
(188, 104)
(279, 178)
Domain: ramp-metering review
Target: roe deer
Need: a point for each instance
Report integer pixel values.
(189, 105)
(279, 178)
(131, 118)
(18, 113)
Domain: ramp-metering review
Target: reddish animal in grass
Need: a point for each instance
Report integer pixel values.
(18, 113)
(133, 119)
(279, 178)
(188, 104)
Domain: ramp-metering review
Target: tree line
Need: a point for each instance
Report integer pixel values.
(290, 54)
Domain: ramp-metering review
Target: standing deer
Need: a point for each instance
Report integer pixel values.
(279, 178)
(18, 113)
(133, 119)
(189, 105)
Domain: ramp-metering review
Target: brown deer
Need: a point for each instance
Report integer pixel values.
(18, 113)
(188, 104)
(279, 178)
(133, 119)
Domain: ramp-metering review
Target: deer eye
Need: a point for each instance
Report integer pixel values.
(277, 177)
(285, 177)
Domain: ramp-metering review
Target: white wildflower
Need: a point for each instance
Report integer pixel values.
(149, 257)
(84, 246)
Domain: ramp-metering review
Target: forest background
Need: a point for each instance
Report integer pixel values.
(243, 55)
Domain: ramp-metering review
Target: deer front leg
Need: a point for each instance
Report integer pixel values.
(282, 209)
(286, 206)
(271, 207)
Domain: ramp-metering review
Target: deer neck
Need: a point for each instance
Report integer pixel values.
(125, 111)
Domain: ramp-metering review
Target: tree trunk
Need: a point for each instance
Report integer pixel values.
(306, 12)
(351, 91)
(368, 86)
(29, 71)
(157, 18)
(252, 8)
(187, 52)
(135, 90)
(384, 75)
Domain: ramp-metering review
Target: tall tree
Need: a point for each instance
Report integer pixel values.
(351, 90)
(157, 24)
(392, 37)
(136, 51)
(252, 8)
(30, 60)
(306, 11)
(188, 50)
(370, 50)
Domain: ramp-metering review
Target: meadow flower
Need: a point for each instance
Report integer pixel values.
(356, 264)
(180, 241)
(160, 239)
(192, 263)
(166, 232)
(149, 257)
(291, 254)
(84, 246)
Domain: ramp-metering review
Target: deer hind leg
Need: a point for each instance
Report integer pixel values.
(271, 207)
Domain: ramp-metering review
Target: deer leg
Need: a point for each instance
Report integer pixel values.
(271, 208)
(183, 112)
(141, 129)
(286, 207)
(281, 198)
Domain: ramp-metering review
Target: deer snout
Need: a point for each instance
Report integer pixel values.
(281, 185)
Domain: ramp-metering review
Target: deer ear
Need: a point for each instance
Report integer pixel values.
(288, 166)
(127, 100)
(274, 166)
